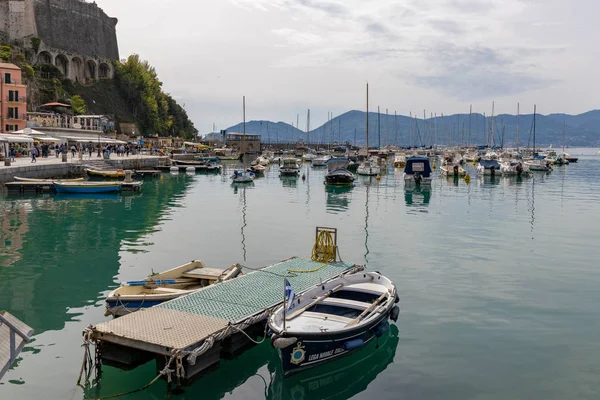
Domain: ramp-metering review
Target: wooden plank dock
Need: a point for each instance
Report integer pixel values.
(14, 334)
(213, 323)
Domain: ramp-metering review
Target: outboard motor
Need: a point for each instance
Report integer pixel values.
(493, 170)
(418, 178)
(456, 170)
(519, 170)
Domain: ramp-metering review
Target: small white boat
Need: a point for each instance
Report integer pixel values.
(417, 171)
(400, 160)
(514, 167)
(19, 179)
(452, 170)
(157, 288)
(489, 167)
(539, 164)
(289, 166)
(332, 319)
(242, 176)
(369, 168)
(320, 161)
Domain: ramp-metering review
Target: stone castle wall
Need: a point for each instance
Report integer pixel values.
(76, 36)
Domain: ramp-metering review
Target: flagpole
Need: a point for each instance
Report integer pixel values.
(284, 306)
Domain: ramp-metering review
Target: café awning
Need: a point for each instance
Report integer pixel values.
(15, 138)
(55, 104)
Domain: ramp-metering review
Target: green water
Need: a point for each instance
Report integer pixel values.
(498, 280)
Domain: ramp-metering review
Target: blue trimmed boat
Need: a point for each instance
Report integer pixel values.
(158, 288)
(87, 187)
(332, 319)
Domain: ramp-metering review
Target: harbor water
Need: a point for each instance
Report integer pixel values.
(498, 279)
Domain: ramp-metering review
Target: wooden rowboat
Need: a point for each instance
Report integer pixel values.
(87, 187)
(116, 173)
(19, 179)
(157, 288)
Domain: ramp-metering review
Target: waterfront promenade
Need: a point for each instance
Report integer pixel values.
(53, 166)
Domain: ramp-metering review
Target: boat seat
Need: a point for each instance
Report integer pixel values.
(366, 287)
(203, 273)
(165, 290)
(335, 301)
(325, 316)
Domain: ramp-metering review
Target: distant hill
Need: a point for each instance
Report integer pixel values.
(581, 130)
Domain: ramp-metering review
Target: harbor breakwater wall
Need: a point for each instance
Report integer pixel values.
(57, 170)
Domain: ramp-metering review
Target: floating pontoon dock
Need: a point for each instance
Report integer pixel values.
(188, 335)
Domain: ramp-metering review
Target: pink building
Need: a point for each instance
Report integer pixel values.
(13, 103)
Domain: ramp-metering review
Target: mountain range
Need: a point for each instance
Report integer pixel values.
(350, 127)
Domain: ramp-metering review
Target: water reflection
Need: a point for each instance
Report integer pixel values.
(338, 197)
(340, 379)
(244, 223)
(417, 197)
(367, 224)
(289, 181)
(87, 196)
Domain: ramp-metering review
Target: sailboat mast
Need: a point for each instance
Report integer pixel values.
(367, 120)
(564, 134)
(470, 117)
(244, 130)
(410, 130)
(378, 129)
(534, 110)
(517, 126)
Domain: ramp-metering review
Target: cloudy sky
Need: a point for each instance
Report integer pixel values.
(287, 56)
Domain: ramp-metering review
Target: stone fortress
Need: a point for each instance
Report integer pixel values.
(74, 35)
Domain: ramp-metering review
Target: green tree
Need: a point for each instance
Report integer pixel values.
(78, 105)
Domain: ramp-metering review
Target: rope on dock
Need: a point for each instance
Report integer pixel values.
(209, 342)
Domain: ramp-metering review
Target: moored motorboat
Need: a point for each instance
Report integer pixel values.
(157, 288)
(242, 176)
(514, 167)
(400, 160)
(116, 173)
(417, 171)
(19, 179)
(332, 319)
(489, 167)
(538, 164)
(337, 172)
(369, 168)
(289, 167)
(452, 170)
(87, 187)
(256, 169)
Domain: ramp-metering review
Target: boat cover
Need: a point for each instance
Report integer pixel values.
(488, 164)
(418, 164)
(337, 163)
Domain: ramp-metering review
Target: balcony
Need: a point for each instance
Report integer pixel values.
(13, 82)
(15, 117)
(20, 100)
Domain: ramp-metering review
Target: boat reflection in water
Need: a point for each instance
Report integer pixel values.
(339, 379)
(241, 186)
(289, 181)
(417, 196)
(338, 197)
(88, 196)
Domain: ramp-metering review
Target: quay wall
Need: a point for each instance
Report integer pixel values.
(57, 170)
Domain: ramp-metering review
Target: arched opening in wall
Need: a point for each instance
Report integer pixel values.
(104, 71)
(91, 70)
(44, 58)
(78, 72)
(62, 63)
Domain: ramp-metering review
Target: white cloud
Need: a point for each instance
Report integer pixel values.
(289, 55)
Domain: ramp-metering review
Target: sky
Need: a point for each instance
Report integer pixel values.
(441, 56)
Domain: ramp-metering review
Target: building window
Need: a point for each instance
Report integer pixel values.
(13, 95)
(13, 112)
(11, 128)
(7, 78)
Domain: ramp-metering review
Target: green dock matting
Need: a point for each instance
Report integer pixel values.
(248, 294)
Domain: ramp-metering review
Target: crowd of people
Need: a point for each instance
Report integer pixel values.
(80, 149)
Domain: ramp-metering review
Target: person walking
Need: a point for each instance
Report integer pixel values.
(34, 153)
(12, 153)
(73, 150)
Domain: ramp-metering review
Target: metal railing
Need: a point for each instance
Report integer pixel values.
(11, 82)
(14, 348)
(20, 99)
(15, 117)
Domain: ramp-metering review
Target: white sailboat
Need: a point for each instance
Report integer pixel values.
(368, 167)
(538, 162)
(243, 176)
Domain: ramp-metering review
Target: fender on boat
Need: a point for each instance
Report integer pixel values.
(353, 344)
(394, 313)
(279, 342)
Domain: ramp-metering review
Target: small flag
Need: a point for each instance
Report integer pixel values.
(290, 296)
